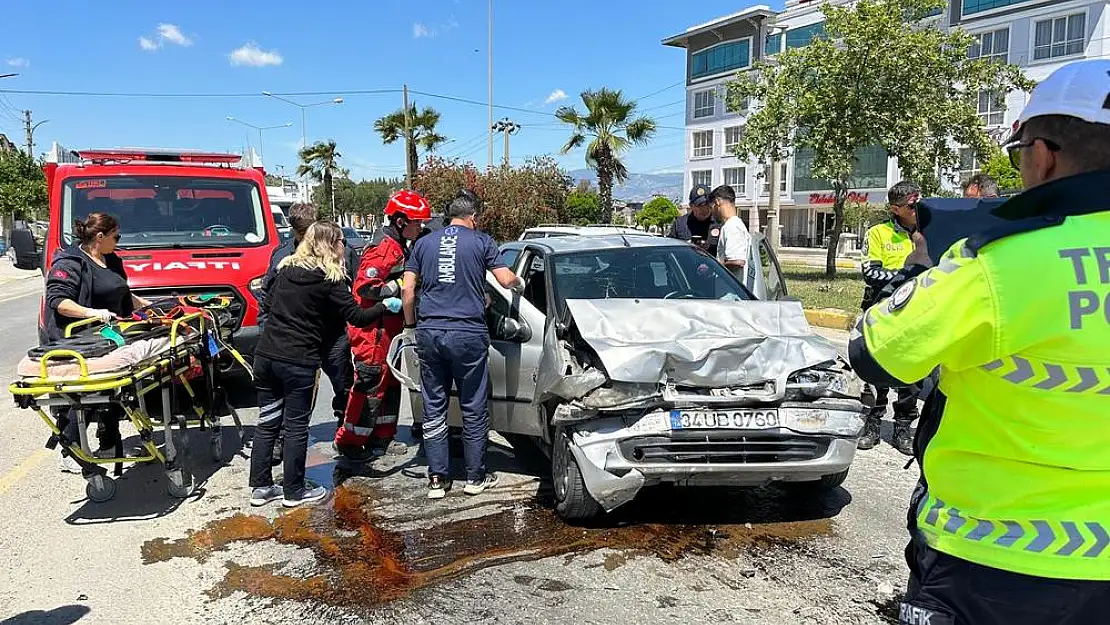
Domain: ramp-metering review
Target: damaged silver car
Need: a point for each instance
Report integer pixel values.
(635, 361)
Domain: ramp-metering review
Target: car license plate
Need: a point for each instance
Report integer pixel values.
(724, 419)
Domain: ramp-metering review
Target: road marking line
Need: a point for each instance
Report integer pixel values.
(22, 469)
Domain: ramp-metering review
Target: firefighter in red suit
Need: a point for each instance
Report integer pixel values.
(370, 422)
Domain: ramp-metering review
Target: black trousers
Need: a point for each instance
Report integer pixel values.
(905, 402)
(339, 367)
(944, 590)
(286, 393)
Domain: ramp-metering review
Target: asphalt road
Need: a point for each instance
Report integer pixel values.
(379, 552)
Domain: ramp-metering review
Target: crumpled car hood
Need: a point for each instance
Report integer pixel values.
(700, 343)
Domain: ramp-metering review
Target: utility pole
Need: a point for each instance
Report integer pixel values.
(490, 52)
(409, 173)
(508, 127)
(30, 130)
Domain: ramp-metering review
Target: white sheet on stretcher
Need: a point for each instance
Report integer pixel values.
(118, 359)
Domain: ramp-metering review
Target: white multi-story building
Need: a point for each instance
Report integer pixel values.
(1038, 36)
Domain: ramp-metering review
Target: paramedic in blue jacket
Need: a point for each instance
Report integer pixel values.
(452, 339)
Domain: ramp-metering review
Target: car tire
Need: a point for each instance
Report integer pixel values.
(825, 484)
(573, 501)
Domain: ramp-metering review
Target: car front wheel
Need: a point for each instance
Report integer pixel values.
(572, 500)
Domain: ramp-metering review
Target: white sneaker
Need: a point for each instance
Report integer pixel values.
(265, 495)
(68, 465)
(438, 487)
(308, 496)
(482, 485)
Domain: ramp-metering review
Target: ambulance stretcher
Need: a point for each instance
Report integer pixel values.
(166, 349)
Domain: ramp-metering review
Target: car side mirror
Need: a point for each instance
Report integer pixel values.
(509, 329)
(27, 254)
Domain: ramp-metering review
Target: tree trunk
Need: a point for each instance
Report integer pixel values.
(840, 196)
(414, 159)
(329, 193)
(605, 191)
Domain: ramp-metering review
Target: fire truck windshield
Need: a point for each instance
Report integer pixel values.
(170, 211)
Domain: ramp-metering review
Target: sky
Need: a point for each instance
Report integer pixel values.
(545, 54)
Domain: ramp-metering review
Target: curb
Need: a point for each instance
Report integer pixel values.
(20, 277)
(832, 318)
(840, 264)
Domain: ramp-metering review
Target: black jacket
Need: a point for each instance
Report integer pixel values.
(306, 313)
(282, 252)
(681, 230)
(71, 277)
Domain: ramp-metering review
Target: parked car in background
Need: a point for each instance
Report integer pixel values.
(355, 240)
(647, 362)
(282, 223)
(565, 230)
(366, 234)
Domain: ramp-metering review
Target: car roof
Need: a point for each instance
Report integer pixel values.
(591, 230)
(560, 245)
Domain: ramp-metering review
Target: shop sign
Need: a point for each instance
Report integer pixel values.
(829, 198)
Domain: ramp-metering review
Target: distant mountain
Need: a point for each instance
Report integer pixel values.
(639, 187)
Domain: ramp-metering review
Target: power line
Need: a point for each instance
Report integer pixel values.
(121, 94)
(663, 106)
(479, 103)
(667, 88)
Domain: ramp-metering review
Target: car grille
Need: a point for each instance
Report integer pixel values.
(234, 312)
(723, 447)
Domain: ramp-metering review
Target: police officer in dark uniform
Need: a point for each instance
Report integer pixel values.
(698, 226)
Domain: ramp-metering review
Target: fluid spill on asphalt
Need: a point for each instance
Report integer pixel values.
(361, 564)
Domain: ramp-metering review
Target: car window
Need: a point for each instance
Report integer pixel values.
(509, 256)
(644, 273)
(771, 277)
(535, 284)
(534, 235)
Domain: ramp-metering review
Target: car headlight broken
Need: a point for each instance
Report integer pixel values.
(820, 421)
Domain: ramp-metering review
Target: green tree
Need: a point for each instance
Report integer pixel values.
(22, 187)
(659, 212)
(583, 207)
(420, 131)
(999, 167)
(611, 129)
(513, 198)
(881, 78)
(320, 162)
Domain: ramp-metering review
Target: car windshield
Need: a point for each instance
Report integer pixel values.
(280, 221)
(672, 272)
(170, 211)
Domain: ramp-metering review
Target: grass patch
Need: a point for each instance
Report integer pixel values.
(810, 285)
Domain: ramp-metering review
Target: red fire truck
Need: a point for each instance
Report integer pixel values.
(191, 223)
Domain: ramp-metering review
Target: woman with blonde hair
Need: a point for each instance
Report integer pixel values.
(307, 305)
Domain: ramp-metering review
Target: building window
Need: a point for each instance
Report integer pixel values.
(993, 46)
(705, 103)
(869, 171)
(799, 37)
(992, 108)
(969, 165)
(772, 44)
(1061, 36)
(702, 177)
(766, 188)
(978, 6)
(737, 178)
(732, 138)
(703, 144)
(721, 58)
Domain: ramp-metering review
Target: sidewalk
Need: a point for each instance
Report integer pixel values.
(814, 257)
(8, 272)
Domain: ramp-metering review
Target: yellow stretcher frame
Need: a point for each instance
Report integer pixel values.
(128, 388)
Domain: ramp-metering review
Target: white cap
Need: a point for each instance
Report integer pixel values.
(1079, 89)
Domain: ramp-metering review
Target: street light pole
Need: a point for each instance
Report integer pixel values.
(304, 132)
(490, 52)
(259, 129)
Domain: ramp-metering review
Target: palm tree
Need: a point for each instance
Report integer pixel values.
(320, 161)
(609, 124)
(420, 131)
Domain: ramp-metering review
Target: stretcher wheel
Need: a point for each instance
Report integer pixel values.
(100, 488)
(179, 483)
(217, 447)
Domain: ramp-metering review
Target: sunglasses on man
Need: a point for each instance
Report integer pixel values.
(1014, 149)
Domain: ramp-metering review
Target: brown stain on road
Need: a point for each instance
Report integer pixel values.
(360, 564)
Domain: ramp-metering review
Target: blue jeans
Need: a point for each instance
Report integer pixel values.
(461, 358)
(286, 393)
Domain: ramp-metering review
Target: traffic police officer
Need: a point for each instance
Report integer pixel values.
(885, 250)
(699, 225)
(1010, 523)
